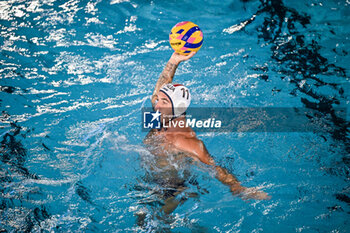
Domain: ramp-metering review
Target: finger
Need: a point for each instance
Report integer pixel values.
(190, 55)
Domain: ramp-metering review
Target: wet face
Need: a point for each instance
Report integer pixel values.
(164, 106)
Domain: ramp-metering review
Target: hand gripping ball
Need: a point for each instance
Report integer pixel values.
(186, 37)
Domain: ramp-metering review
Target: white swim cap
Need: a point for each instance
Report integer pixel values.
(179, 96)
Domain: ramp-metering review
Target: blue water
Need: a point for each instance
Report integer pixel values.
(75, 75)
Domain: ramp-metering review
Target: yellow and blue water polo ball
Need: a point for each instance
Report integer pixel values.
(186, 37)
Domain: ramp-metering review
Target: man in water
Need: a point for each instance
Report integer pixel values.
(172, 100)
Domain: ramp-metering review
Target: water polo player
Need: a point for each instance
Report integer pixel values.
(172, 100)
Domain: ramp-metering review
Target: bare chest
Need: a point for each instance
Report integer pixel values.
(162, 146)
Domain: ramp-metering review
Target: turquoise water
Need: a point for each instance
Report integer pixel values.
(75, 75)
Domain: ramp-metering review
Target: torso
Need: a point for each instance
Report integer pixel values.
(168, 160)
(161, 143)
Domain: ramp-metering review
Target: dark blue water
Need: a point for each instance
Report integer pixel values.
(75, 75)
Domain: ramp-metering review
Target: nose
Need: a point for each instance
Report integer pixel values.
(157, 106)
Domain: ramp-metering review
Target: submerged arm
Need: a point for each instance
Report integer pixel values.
(198, 149)
(168, 73)
(221, 173)
(228, 179)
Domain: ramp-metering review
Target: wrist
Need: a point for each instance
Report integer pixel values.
(237, 188)
(174, 61)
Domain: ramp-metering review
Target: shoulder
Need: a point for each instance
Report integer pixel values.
(182, 139)
(192, 145)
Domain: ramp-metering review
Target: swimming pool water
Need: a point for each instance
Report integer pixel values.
(75, 75)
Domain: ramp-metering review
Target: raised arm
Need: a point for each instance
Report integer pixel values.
(168, 72)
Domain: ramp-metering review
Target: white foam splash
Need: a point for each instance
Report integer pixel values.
(118, 1)
(238, 27)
